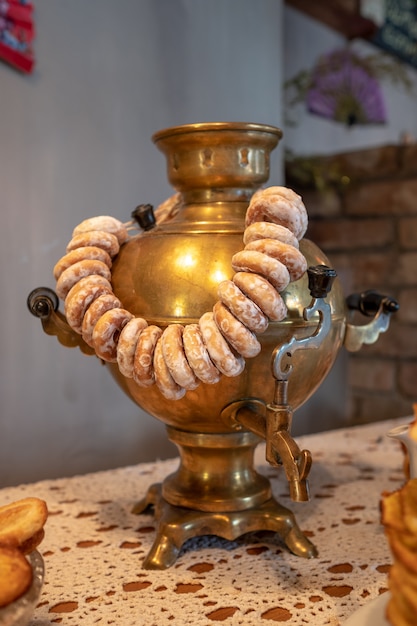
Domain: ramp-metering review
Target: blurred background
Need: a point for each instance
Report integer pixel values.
(75, 141)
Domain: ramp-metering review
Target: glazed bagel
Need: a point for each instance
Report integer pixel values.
(219, 350)
(81, 254)
(126, 345)
(81, 295)
(264, 265)
(103, 223)
(97, 308)
(197, 355)
(107, 332)
(268, 230)
(236, 333)
(279, 205)
(174, 356)
(96, 238)
(262, 293)
(163, 378)
(143, 369)
(242, 307)
(289, 256)
(75, 272)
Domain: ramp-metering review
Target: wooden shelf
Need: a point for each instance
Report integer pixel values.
(342, 16)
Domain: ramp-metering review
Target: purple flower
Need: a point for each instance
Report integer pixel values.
(343, 89)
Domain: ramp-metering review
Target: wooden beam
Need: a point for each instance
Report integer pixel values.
(340, 15)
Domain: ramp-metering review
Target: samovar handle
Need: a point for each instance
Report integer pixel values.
(43, 303)
(369, 303)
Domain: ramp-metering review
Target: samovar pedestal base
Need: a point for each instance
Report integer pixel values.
(215, 491)
(175, 525)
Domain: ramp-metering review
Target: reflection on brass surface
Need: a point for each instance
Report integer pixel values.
(156, 293)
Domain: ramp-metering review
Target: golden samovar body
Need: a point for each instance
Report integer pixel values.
(171, 273)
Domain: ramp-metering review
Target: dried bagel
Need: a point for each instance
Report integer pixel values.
(15, 575)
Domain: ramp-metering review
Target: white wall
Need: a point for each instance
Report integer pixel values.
(75, 142)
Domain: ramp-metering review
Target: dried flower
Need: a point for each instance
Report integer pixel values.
(344, 86)
(343, 89)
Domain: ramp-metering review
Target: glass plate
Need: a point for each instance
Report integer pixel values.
(371, 614)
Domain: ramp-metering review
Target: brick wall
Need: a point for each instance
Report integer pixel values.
(363, 214)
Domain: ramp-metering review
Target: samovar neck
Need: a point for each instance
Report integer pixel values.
(218, 161)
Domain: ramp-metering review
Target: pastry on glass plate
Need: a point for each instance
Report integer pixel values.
(399, 518)
(21, 565)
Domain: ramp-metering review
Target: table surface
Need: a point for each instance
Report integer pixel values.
(94, 545)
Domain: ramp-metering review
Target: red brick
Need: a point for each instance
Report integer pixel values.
(384, 271)
(407, 299)
(325, 203)
(408, 159)
(404, 270)
(368, 407)
(407, 379)
(373, 270)
(342, 264)
(351, 234)
(407, 232)
(382, 198)
(371, 374)
(399, 341)
(381, 162)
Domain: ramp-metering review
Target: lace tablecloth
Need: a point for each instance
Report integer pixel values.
(94, 546)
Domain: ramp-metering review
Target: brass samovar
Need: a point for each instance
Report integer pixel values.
(169, 273)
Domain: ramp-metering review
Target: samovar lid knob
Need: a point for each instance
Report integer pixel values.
(144, 216)
(320, 280)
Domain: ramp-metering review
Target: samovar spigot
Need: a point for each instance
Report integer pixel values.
(272, 421)
(281, 449)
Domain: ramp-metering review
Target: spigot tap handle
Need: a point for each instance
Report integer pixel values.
(320, 280)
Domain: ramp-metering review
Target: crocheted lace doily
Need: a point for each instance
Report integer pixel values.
(94, 546)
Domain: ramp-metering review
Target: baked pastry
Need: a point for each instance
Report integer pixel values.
(22, 522)
(15, 575)
(399, 518)
(21, 531)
